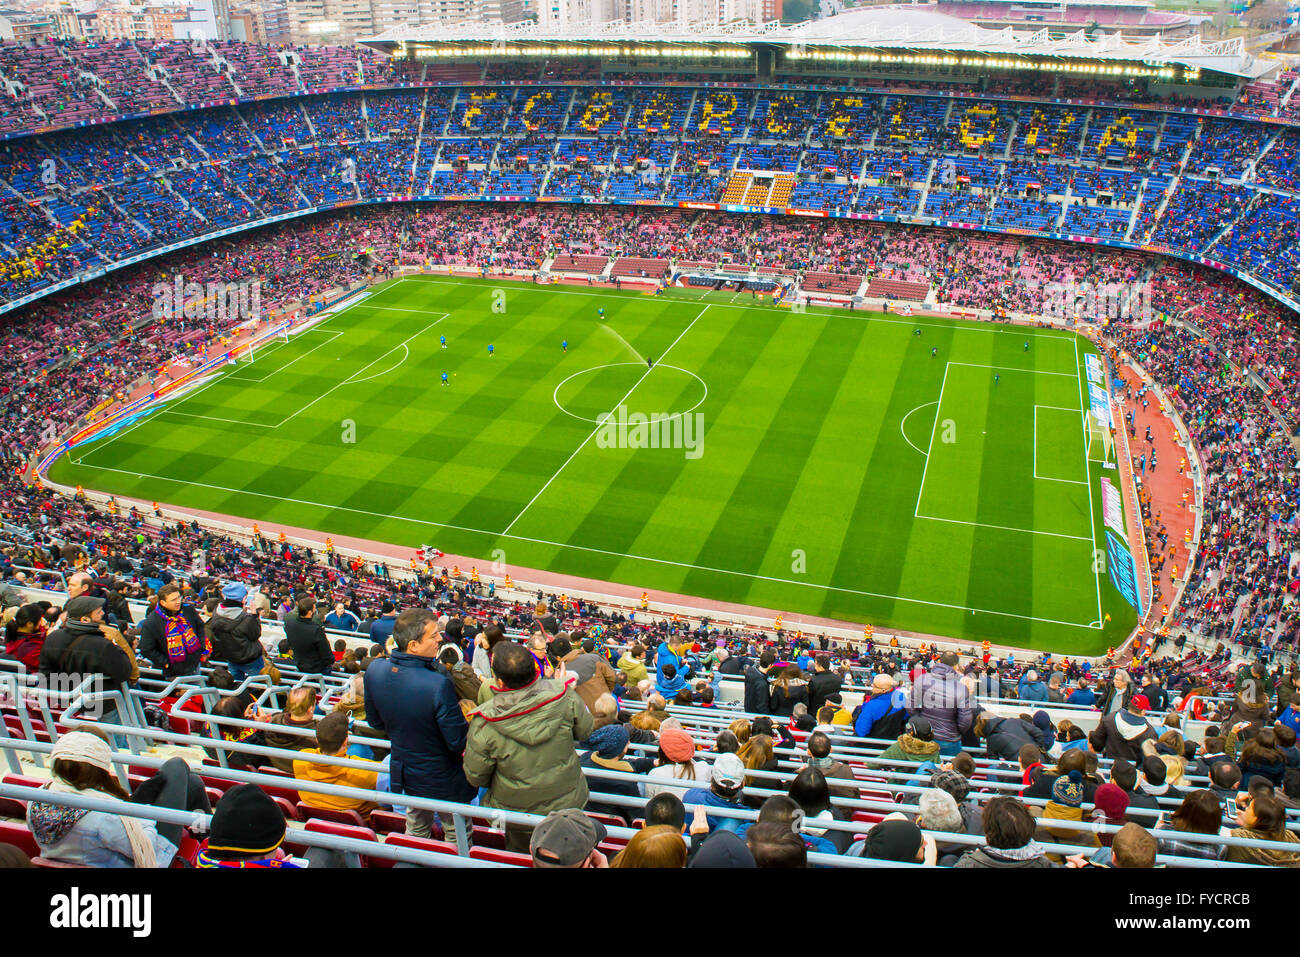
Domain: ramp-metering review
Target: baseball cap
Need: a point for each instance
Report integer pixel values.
(920, 728)
(1139, 702)
(565, 838)
(83, 606)
(728, 771)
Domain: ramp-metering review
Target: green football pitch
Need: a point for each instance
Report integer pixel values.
(841, 469)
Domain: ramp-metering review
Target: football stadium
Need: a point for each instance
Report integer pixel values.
(671, 441)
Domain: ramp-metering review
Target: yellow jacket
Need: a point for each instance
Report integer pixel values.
(308, 770)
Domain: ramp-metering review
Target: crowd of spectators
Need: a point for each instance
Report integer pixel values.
(143, 182)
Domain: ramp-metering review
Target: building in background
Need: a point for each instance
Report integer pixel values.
(209, 19)
(348, 21)
(25, 27)
(680, 13)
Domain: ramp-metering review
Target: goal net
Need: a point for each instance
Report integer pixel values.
(1100, 441)
(274, 342)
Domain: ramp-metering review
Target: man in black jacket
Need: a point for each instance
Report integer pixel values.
(1121, 734)
(731, 664)
(235, 634)
(172, 636)
(79, 650)
(1154, 693)
(310, 648)
(1004, 737)
(758, 692)
(823, 682)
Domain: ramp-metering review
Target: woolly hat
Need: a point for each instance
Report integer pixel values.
(723, 849)
(1068, 789)
(608, 742)
(1111, 801)
(894, 841)
(234, 591)
(246, 823)
(676, 744)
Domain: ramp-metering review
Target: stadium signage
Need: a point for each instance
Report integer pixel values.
(1122, 571)
(1100, 403)
(1112, 506)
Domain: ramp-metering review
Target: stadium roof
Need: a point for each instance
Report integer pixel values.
(910, 28)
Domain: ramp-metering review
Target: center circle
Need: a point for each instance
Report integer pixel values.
(607, 382)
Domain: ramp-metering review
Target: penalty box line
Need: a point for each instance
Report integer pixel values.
(1049, 478)
(916, 513)
(351, 380)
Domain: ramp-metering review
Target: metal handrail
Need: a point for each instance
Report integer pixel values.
(199, 821)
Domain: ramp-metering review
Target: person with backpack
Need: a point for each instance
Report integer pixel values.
(235, 635)
(883, 714)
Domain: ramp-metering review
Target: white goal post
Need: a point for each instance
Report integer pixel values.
(248, 355)
(1099, 440)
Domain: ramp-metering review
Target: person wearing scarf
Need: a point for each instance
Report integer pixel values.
(82, 765)
(24, 634)
(1009, 832)
(172, 636)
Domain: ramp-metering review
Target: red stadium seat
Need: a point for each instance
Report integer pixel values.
(12, 832)
(344, 830)
(421, 843)
(279, 791)
(216, 784)
(13, 807)
(500, 857)
(351, 818)
(388, 822)
(486, 837)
